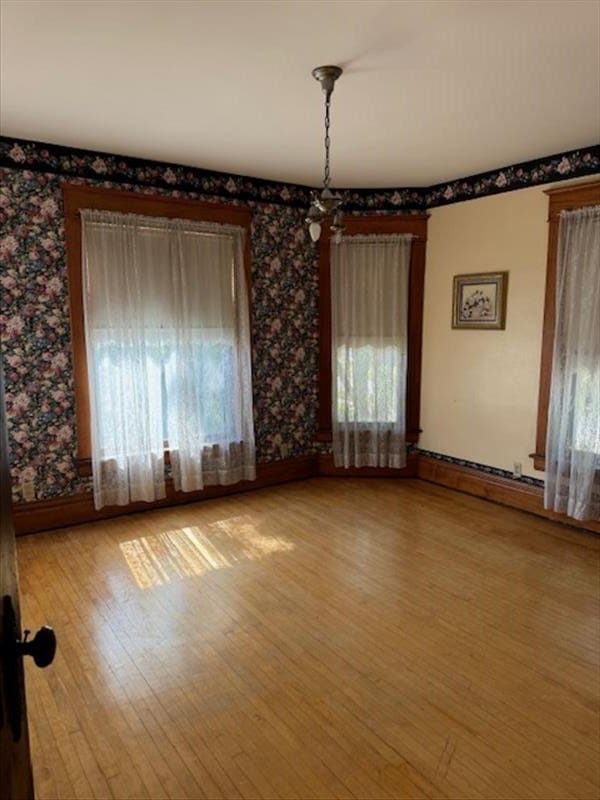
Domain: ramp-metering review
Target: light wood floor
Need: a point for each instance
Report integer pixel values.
(330, 638)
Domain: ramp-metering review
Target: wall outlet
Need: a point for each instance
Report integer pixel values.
(28, 491)
(517, 470)
(284, 450)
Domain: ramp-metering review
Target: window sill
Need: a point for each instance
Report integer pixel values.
(83, 466)
(539, 461)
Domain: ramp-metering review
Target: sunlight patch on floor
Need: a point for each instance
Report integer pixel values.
(191, 551)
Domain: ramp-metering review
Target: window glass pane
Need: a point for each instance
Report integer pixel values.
(115, 357)
(201, 374)
(586, 430)
(368, 382)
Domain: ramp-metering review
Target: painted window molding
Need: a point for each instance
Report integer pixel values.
(75, 198)
(560, 199)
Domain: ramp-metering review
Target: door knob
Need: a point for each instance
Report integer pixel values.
(41, 648)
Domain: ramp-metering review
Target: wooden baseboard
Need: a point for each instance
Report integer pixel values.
(327, 468)
(75, 509)
(495, 488)
(61, 512)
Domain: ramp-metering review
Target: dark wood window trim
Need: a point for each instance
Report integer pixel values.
(77, 197)
(410, 223)
(560, 199)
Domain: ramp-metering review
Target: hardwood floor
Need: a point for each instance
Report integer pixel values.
(329, 638)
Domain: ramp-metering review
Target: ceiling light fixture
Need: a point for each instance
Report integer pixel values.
(326, 203)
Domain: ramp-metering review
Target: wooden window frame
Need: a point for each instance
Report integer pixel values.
(415, 224)
(559, 199)
(77, 197)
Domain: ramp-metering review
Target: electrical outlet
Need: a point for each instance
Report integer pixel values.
(284, 450)
(28, 490)
(517, 470)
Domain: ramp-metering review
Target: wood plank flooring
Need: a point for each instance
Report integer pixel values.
(332, 638)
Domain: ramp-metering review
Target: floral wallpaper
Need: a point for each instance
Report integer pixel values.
(36, 344)
(34, 309)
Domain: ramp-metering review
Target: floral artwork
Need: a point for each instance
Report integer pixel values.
(479, 303)
(480, 300)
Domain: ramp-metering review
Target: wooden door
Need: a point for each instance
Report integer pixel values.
(15, 765)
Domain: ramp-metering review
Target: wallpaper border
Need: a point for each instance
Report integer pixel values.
(73, 162)
(559, 167)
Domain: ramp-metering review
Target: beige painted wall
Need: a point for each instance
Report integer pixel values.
(480, 388)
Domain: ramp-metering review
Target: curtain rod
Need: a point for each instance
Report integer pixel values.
(146, 227)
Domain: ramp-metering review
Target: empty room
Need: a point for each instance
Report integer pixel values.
(300, 399)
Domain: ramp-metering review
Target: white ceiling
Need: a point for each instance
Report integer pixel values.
(431, 90)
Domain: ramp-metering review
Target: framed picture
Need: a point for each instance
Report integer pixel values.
(479, 300)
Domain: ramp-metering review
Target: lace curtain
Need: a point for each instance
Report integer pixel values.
(168, 352)
(573, 440)
(369, 304)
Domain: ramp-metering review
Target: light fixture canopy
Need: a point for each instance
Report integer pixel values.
(326, 203)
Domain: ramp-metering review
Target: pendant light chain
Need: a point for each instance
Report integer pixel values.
(327, 174)
(326, 204)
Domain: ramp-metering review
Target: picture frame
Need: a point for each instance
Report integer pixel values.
(479, 300)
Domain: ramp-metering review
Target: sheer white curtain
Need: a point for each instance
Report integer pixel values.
(573, 440)
(369, 304)
(168, 352)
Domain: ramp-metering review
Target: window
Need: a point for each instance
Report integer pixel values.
(560, 199)
(371, 300)
(568, 436)
(367, 377)
(161, 342)
(213, 356)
